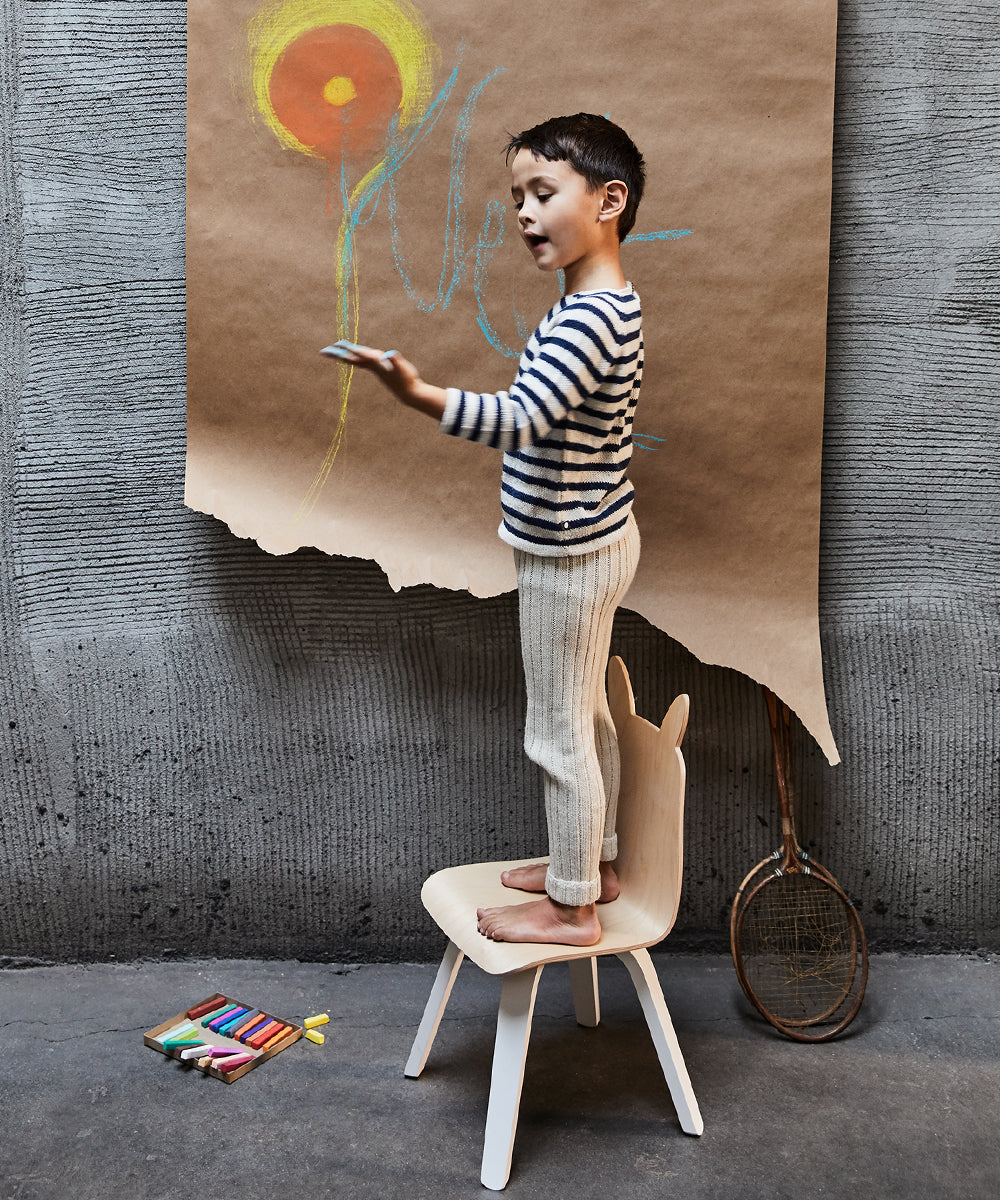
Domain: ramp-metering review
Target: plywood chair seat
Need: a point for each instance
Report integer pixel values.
(649, 866)
(452, 896)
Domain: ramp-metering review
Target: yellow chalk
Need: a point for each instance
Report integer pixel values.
(312, 1022)
(313, 1036)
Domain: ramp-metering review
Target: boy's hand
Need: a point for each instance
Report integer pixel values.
(398, 374)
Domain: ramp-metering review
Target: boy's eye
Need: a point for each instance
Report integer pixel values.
(543, 196)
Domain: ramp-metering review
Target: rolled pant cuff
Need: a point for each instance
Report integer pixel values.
(568, 891)
(609, 848)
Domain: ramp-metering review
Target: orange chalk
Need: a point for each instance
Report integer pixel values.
(248, 1024)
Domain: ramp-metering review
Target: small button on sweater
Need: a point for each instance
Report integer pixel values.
(565, 425)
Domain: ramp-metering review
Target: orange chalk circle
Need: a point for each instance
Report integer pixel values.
(329, 77)
(336, 89)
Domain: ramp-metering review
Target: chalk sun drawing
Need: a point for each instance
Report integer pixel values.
(345, 81)
(348, 81)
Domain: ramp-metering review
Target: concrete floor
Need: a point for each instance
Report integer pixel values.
(907, 1104)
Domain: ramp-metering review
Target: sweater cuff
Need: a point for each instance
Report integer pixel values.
(451, 418)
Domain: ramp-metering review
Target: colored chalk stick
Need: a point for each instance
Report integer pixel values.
(181, 1042)
(231, 1064)
(193, 1014)
(176, 1031)
(313, 1036)
(284, 1031)
(251, 1014)
(219, 1012)
(194, 1051)
(229, 1021)
(226, 1017)
(215, 1054)
(245, 1037)
(261, 1025)
(213, 1021)
(312, 1022)
(216, 1012)
(246, 1023)
(256, 1040)
(259, 1039)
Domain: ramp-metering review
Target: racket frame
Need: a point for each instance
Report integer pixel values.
(795, 860)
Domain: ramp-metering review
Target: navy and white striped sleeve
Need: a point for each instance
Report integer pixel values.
(567, 360)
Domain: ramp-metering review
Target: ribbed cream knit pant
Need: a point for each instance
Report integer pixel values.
(567, 607)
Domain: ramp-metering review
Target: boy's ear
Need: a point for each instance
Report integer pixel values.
(613, 201)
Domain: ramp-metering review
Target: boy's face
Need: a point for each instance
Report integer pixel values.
(558, 215)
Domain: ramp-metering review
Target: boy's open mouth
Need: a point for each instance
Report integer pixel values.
(535, 239)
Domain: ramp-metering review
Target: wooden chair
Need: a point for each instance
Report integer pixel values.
(650, 839)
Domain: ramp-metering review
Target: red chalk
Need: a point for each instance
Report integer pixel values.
(264, 1035)
(193, 1014)
(231, 1064)
(276, 1037)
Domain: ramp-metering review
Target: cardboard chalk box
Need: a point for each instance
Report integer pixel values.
(211, 1038)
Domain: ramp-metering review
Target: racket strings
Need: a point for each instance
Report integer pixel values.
(799, 948)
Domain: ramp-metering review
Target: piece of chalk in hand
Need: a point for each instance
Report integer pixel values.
(337, 352)
(389, 354)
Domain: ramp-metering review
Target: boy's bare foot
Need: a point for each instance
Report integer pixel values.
(541, 921)
(532, 879)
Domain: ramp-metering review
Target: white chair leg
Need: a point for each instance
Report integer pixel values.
(640, 967)
(586, 998)
(517, 1002)
(434, 1010)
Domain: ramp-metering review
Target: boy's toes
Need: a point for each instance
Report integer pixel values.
(482, 919)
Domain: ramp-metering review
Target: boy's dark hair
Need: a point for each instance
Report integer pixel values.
(595, 148)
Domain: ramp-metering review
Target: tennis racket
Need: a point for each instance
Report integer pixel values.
(797, 941)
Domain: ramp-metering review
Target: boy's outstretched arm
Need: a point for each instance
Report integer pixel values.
(398, 374)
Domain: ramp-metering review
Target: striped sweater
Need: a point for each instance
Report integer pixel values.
(565, 425)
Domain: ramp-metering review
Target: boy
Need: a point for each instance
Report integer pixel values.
(565, 427)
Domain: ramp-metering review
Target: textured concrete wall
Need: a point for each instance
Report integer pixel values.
(209, 751)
